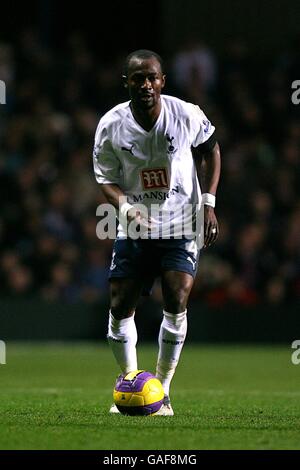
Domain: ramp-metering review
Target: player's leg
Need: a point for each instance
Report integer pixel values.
(126, 283)
(125, 289)
(176, 288)
(122, 334)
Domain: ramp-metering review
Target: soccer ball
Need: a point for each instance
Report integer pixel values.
(138, 393)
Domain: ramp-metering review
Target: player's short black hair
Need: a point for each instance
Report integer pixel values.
(141, 54)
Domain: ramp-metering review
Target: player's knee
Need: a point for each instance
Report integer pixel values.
(176, 301)
(120, 308)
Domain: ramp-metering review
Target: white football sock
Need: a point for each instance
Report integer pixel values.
(122, 337)
(171, 339)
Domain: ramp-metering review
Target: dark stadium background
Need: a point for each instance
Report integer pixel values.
(61, 62)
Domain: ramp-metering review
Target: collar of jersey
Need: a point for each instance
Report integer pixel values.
(156, 122)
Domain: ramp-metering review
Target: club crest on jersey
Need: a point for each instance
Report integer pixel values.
(206, 124)
(96, 151)
(171, 149)
(155, 178)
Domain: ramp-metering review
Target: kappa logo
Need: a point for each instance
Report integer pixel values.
(155, 178)
(128, 150)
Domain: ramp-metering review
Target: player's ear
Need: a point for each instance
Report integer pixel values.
(124, 80)
(163, 81)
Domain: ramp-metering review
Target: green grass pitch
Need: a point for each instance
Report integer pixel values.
(57, 396)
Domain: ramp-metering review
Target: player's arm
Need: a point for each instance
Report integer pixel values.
(208, 163)
(107, 172)
(115, 196)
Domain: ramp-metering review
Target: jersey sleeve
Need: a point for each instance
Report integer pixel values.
(200, 127)
(106, 162)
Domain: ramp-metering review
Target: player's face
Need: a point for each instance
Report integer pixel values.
(145, 82)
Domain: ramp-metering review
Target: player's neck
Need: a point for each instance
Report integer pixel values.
(146, 118)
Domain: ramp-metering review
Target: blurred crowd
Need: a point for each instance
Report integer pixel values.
(49, 195)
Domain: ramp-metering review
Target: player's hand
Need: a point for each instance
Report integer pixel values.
(139, 219)
(211, 227)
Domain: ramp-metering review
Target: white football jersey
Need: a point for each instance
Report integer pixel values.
(154, 168)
